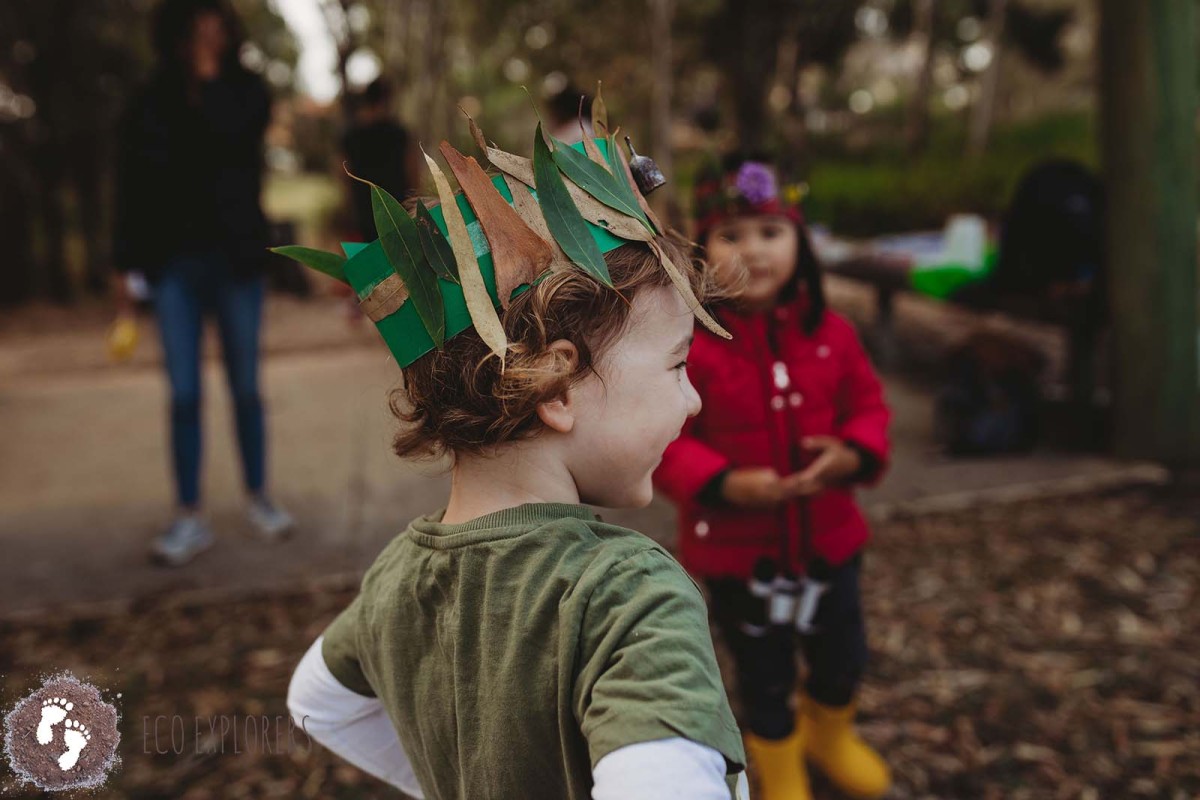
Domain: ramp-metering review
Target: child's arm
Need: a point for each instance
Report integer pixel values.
(353, 726)
(693, 472)
(673, 767)
(688, 466)
(863, 414)
(648, 694)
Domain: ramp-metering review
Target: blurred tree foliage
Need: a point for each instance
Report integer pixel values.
(889, 190)
(739, 73)
(67, 69)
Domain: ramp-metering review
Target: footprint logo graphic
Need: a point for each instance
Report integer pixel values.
(76, 735)
(54, 711)
(63, 735)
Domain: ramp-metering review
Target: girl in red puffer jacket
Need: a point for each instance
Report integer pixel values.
(793, 418)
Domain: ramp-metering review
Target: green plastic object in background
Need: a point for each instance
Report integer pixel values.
(940, 281)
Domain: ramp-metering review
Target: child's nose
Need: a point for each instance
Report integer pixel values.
(692, 397)
(753, 251)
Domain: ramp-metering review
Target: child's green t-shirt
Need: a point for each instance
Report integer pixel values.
(514, 651)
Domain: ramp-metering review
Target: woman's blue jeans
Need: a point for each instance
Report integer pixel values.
(192, 286)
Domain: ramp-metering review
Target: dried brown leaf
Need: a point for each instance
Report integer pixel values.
(476, 134)
(595, 212)
(685, 290)
(479, 302)
(592, 149)
(519, 255)
(529, 210)
(599, 113)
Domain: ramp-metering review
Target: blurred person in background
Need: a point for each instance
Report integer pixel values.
(565, 108)
(188, 217)
(379, 149)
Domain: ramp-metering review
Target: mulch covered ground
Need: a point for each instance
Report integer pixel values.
(1043, 650)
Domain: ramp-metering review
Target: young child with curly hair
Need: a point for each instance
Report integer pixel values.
(512, 644)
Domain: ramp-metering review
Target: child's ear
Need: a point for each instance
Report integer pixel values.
(558, 414)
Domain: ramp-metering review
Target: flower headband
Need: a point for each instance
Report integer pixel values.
(751, 189)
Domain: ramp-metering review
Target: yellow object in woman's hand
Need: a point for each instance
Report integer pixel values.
(122, 338)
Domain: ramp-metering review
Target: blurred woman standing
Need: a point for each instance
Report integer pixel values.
(189, 218)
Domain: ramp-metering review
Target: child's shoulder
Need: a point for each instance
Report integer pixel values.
(615, 544)
(836, 326)
(623, 556)
(579, 544)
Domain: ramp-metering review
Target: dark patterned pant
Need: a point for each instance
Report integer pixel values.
(836, 653)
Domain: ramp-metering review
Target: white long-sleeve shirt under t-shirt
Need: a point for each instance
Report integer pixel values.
(357, 728)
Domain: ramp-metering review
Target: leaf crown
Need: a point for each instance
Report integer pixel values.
(435, 272)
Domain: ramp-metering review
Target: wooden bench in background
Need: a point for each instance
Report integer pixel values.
(890, 273)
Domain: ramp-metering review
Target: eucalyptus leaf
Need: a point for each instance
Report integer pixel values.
(593, 210)
(624, 182)
(599, 113)
(592, 149)
(401, 242)
(619, 154)
(476, 133)
(437, 250)
(479, 302)
(562, 216)
(685, 291)
(330, 264)
(531, 212)
(597, 181)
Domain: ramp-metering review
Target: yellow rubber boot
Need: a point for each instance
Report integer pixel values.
(833, 746)
(778, 767)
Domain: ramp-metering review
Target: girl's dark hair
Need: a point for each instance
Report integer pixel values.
(808, 269)
(173, 22)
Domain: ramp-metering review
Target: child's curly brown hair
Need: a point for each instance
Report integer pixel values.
(456, 400)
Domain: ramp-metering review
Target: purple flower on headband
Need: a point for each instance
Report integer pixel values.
(756, 182)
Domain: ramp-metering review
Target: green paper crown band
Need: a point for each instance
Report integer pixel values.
(403, 331)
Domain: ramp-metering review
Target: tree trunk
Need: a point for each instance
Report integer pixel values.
(441, 92)
(56, 283)
(985, 107)
(17, 266)
(753, 28)
(393, 36)
(661, 12)
(1148, 111)
(429, 70)
(94, 221)
(337, 22)
(791, 124)
(916, 134)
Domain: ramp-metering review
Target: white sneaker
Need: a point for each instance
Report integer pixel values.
(269, 520)
(187, 538)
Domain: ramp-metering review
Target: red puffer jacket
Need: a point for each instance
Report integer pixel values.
(763, 391)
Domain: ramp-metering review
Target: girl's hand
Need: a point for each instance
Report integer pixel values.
(834, 463)
(753, 487)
